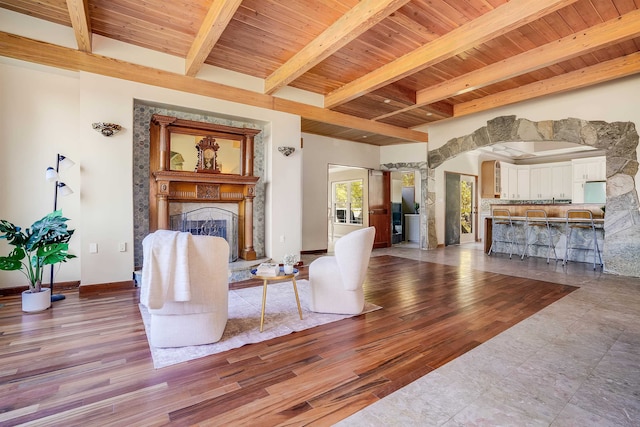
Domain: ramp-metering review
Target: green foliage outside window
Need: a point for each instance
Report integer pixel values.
(466, 199)
(348, 202)
(408, 179)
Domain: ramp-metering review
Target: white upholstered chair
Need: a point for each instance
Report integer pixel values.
(185, 286)
(336, 281)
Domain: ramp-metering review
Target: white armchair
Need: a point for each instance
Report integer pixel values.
(336, 281)
(185, 286)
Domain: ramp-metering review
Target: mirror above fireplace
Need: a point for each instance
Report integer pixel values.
(184, 152)
(202, 163)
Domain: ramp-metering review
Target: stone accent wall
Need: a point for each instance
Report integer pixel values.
(142, 113)
(619, 140)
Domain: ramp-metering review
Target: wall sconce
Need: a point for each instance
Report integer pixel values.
(61, 189)
(286, 151)
(107, 129)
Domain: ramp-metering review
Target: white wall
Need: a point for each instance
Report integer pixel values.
(318, 153)
(39, 112)
(396, 187)
(404, 153)
(610, 102)
(46, 112)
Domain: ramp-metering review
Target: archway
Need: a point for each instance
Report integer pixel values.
(619, 140)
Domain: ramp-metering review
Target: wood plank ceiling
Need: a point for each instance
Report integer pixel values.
(384, 67)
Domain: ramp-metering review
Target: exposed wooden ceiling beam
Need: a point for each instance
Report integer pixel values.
(217, 19)
(79, 15)
(25, 49)
(613, 31)
(356, 21)
(333, 117)
(599, 73)
(505, 18)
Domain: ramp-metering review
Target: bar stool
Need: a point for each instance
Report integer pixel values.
(534, 220)
(581, 219)
(503, 217)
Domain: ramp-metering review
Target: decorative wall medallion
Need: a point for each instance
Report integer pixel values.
(208, 191)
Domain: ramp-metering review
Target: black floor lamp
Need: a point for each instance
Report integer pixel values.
(61, 189)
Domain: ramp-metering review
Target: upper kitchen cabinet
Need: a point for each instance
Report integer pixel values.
(491, 179)
(561, 180)
(514, 181)
(586, 170)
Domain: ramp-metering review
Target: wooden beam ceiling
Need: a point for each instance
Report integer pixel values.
(36, 51)
(599, 73)
(79, 15)
(571, 46)
(359, 19)
(499, 21)
(216, 20)
(478, 51)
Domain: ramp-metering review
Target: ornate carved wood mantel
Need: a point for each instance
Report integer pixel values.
(168, 184)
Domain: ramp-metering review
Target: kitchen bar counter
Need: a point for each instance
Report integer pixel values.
(556, 214)
(553, 210)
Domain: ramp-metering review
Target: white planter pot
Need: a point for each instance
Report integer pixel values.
(34, 302)
(288, 268)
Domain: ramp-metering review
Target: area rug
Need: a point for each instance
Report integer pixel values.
(243, 326)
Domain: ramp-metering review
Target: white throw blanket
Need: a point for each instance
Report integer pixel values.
(165, 273)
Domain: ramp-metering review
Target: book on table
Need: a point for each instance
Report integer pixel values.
(267, 269)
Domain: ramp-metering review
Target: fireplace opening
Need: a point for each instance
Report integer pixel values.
(209, 221)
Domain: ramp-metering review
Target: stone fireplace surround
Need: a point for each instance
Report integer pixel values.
(143, 111)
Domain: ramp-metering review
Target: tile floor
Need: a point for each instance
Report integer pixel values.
(575, 363)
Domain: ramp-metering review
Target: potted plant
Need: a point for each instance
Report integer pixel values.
(288, 262)
(44, 243)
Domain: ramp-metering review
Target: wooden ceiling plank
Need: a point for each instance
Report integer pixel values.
(362, 17)
(216, 20)
(616, 30)
(79, 16)
(509, 16)
(340, 119)
(25, 49)
(603, 72)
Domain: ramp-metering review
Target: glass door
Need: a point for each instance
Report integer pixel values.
(467, 209)
(460, 208)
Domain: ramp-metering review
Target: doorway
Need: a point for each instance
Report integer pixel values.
(460, 208)
(358, 198)
(405, 206)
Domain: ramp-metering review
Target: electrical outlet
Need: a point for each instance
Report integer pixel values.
(122, 246)
(282, 239)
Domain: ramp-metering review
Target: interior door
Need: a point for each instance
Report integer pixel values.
(380, 207)
(468, 211)
(452, 209)
(460, 209)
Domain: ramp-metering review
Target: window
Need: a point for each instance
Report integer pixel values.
(408, 179)
(347, 202)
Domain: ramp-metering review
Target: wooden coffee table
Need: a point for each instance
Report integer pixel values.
(280, 277)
